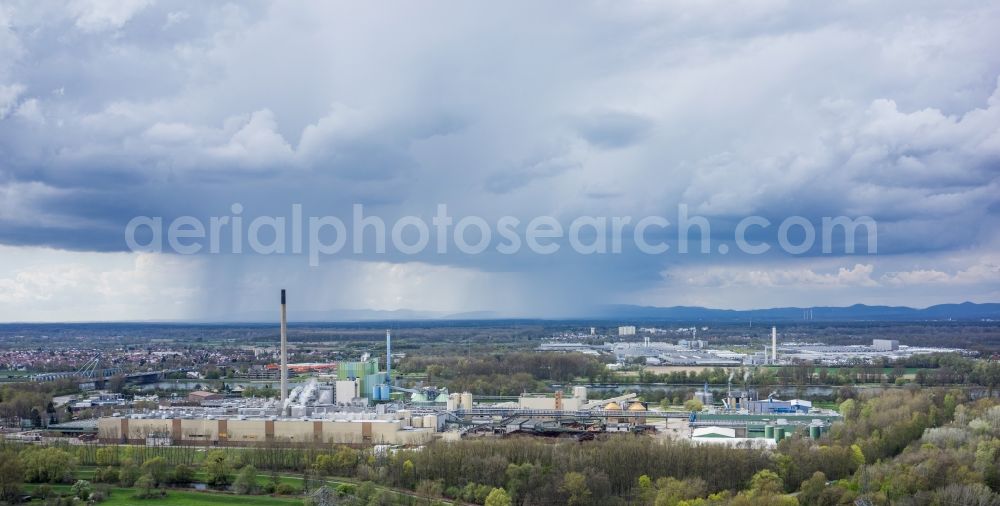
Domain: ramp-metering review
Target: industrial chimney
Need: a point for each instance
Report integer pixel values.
(388, 357)
(284, 351)
(774, 345)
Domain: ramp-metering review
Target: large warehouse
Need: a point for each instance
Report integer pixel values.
(238, 432)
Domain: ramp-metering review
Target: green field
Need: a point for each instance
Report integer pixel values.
(124, 497)
(189, 497)
(87, 473)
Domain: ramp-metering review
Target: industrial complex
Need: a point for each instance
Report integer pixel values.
(363, 405)
(696, 352)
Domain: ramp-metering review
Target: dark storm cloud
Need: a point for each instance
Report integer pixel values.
(93, 238)
(506, 181)
(108, 111)
(613, 129)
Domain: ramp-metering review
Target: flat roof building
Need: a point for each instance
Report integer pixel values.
(201, 396)
(242, 431)
(885, 344)
(713, 432)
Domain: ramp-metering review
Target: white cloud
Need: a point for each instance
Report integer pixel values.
(22, 204)
(101, 15)
(858, 275)
(9, 94)
(876, 161)
(256, 143)
(39, 284)
(30, 112)
(985, 272)
(818, 281)
(174, 18)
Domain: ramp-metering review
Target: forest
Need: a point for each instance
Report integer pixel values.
(32, 401)
(504, 373)
(512, 373)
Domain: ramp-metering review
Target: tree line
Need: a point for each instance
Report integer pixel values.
(503, 373)
(913, 446)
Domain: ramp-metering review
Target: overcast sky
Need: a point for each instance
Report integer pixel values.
(115, 109)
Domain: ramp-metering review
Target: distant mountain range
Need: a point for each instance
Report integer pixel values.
(858, 312)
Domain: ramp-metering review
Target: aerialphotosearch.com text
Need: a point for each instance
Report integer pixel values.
(319, 236)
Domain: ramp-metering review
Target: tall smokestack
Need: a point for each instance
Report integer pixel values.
(284, 351)
(774, 345)
(388, 356)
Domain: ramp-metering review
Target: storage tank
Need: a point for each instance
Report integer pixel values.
(815, 431)
(384, 393)
(454, 402)
(430, 421)
(769, 431)
(376, 393)
(466, 400)
(418, 421)
(779, 433)
(580, 393)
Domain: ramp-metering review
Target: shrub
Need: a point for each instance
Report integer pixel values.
(82, 489)
(158, 469)
(128, 474)
(286, 489)
(48, 465)
(182, 474)
(146, 488)
(106, 475)
(43, 491)
(11, 476)
(246, 482)
(217, 468)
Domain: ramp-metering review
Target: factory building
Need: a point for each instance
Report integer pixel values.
(693, 344)
(848, 354)
(365, 370)
(626, 330)
(801, 406)
(200, 397)
(885, 344)
(242, 431)
(768, 406)
(713, 432)
(429, 396)
(346, 391)
(543, 401)
(774, 406)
